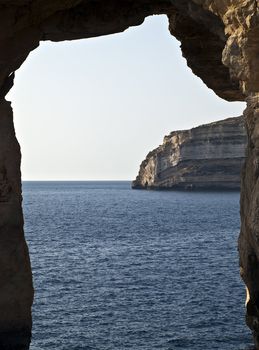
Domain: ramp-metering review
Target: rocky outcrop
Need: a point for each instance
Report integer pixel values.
(16, 292)
(207, 157)
(220, 41)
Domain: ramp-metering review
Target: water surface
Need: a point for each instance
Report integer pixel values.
(119, 269)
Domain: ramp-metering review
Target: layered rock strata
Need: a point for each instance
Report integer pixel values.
(220, 41)
(207, 157)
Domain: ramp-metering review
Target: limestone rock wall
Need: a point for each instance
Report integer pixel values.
(207, 157)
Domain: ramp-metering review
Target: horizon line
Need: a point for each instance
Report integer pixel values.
(76, 180)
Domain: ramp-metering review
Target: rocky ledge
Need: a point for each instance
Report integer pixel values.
(209, 156)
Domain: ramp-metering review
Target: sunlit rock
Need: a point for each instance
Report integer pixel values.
(207, 157)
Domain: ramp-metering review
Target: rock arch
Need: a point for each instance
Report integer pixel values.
(220, 43)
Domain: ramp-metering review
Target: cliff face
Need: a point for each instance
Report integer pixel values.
(220, 41)
(207, 157)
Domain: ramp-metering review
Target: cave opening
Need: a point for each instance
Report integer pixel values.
(99, 94)
(61, 135)
(50, 122)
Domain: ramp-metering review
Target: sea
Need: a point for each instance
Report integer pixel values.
(118, 269)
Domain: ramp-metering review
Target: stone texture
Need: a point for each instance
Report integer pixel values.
(207, 157)
(24, 23)
(219, 39)
(16, 292)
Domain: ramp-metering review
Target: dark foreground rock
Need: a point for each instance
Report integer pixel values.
(16, 291)
(207, 157)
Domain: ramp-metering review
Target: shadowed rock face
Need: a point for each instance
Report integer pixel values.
(25, 22)
(207, 157)
(16, 292)
(220, 43)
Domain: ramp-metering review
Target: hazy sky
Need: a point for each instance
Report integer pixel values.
(92, 109)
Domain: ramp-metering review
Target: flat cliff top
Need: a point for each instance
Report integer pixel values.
(229, 122)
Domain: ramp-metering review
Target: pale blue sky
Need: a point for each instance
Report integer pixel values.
(92, 109)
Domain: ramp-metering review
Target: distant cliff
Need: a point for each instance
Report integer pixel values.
(209, 156)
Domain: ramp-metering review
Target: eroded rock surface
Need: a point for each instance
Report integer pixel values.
(24, 23)
(16, 292)
(219, 39)
(207, 157)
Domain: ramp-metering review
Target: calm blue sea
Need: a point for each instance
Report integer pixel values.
(116, 268)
